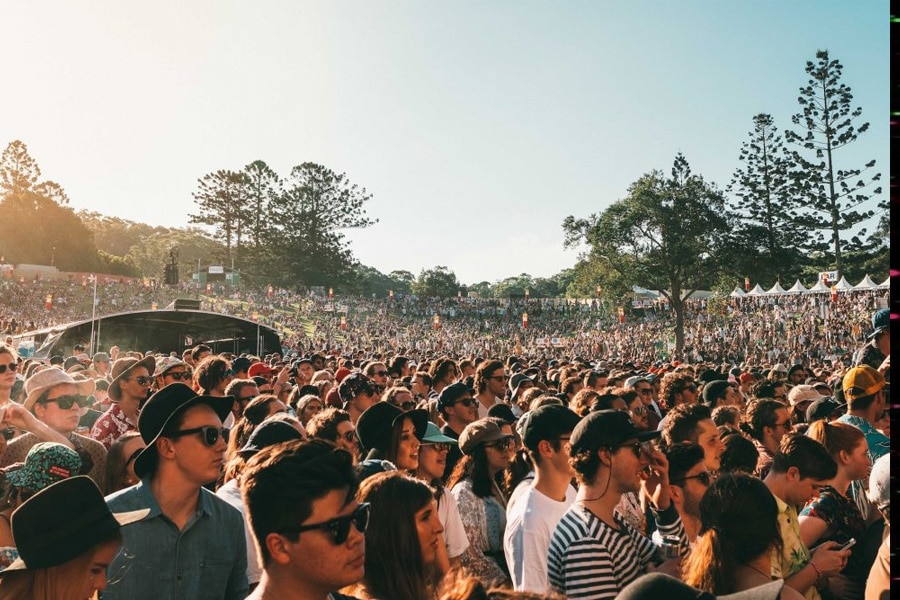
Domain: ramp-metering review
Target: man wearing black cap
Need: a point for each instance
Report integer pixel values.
(537, 505)
(878, 346)
(457, 406)
(192, 543)
(594, 552)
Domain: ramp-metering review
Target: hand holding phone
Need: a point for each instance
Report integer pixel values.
(848, 544)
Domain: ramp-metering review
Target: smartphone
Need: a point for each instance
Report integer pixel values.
(848, 545)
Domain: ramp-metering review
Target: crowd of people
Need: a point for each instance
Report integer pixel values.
(758, 329)
(467, 463)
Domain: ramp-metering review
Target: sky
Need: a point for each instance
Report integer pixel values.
(477, 126)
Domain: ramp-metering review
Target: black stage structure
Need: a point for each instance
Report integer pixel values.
(169, 330)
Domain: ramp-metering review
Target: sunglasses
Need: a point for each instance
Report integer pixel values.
(639, 410)
(645, 391)
(503, 444)
(407, 405)
(11, 366)
(705, 478)
(67, 402)
(438, 446)
(339, 527)
(380, 373)
(637, 447)
(179, 376)
(470, 402)
(142, 380)
(210, 434)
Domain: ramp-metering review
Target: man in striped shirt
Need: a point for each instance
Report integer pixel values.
(594, 553)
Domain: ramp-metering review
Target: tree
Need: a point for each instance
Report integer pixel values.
(835, 198)
(305, 240)
(19, 172)
(666, 235)
(765, 234)
(439, 282)
(221, 198)
(263, 187)
(403, 281)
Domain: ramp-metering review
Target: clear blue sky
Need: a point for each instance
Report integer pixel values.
(477, 126)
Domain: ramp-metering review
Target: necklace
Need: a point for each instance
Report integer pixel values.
(766, 575)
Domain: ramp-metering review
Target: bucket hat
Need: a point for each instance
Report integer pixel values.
(45, 464)
(43, 380)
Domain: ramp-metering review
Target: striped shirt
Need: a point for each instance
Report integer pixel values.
(590, 560)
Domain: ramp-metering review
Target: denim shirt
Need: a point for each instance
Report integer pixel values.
(207, 560)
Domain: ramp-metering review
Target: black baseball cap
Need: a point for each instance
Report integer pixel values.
(606, 429)
(546, 423)
(453, 392)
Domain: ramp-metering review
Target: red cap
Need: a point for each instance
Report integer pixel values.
(340, 374)
(259, 369)
(745, 377)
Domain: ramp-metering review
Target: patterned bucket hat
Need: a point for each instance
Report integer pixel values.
(46, 463)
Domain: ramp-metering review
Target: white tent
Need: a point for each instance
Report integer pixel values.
(819, 288)
(737, 293)
(866, 284)
(776, 289)
(797, 288)
(756, 291)
(843, 285)
(886, 284)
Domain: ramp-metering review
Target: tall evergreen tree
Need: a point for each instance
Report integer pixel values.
(836, 200)
(762, 198)
(221, 200)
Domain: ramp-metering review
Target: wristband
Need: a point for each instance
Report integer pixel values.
(816, 569)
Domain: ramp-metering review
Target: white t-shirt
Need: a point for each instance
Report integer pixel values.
(231, 493)
(454, 533)
(530, 522)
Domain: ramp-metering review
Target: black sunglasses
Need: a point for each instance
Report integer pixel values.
(67, 402)
(339, 527)
(179, 375)
(142, 380)
(210, 434)
(637, 447)
(407, 405)
(438, 446)
(11, 366)
(504, 443)
(466, 402)
(703, 477)
(380, 373)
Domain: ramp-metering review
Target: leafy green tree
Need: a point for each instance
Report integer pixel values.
(484, 289)
(402, 281)
(666, 235)
(34, 225)
(439, 282)
(306, 242)
(115, 235)
(837, 200)
(764, 239)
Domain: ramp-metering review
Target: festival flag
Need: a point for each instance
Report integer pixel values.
(49, 301)
(525, 320)
(437, 322)
(343, 323)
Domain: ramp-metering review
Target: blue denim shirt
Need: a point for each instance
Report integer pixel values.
(207, 560)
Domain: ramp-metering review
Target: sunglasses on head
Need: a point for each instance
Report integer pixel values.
(704, 477)
(339, 527)
(67, 402)
(209, 434)
(13, 366)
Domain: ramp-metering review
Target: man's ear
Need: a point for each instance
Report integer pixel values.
(278, 548)
(676, 493)
(793, 474)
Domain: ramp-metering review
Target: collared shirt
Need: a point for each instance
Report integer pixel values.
(111, 425)
(207, 560)
(794, 554)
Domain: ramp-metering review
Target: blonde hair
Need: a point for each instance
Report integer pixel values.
(62, 582)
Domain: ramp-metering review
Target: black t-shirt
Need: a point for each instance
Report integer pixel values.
(454, 454)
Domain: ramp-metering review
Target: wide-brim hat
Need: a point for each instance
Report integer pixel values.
(121, 369)
(376, 424)
(63, 521)
(45, 379)
(161, 408)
